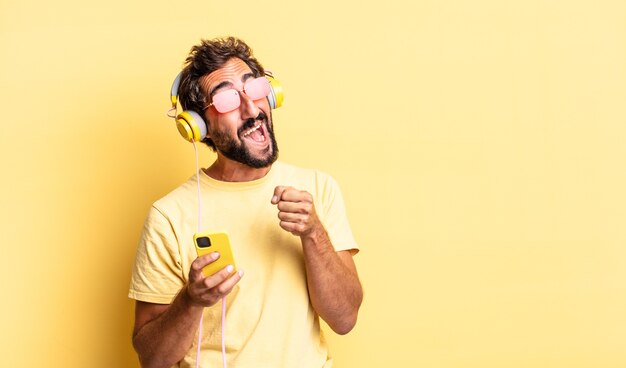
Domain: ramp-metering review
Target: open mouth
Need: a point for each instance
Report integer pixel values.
(257, 134)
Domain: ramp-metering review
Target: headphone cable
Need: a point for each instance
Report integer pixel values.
(195, 149)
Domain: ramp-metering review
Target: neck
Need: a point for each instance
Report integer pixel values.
(224, 169)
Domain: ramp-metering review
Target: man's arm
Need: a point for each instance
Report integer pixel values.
(332, 279)
(164, 333)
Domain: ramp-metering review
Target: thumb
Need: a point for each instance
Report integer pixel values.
(278, 192)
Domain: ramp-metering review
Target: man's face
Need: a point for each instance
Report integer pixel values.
(245, 134)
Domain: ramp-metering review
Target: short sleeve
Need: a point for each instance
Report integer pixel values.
(157, 274)
(334, 215)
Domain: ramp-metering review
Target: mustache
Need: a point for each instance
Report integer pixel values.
(249, 123)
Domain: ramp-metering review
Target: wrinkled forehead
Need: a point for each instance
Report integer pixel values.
(231, 74)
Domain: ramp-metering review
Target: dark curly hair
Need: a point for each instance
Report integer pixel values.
(205, 58)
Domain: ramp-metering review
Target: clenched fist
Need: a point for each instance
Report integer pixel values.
(296, 211)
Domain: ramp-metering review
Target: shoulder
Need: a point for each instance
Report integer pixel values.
(178, 199)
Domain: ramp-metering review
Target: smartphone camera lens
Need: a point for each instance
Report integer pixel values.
(204, 242)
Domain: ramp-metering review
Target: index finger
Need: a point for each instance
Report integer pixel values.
(295, 195)
(199, 263)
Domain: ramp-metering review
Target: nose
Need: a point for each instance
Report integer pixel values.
(247, 107)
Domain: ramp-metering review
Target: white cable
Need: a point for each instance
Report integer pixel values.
(195, 149)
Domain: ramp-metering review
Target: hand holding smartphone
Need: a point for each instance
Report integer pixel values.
(207, 242)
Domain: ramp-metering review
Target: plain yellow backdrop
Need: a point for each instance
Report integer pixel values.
(479, 146)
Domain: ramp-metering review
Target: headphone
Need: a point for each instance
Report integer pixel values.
(192, 126)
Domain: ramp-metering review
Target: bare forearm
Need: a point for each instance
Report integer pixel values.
(334, 288)
(332, 279)
(163, 334)
(165, 340)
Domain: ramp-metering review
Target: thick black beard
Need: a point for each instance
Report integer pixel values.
(237, 151)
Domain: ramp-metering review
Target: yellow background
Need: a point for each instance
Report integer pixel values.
(479, 146)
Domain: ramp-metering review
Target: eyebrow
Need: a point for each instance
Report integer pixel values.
(223, 84)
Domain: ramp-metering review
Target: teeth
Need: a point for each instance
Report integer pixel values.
(254, 129)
